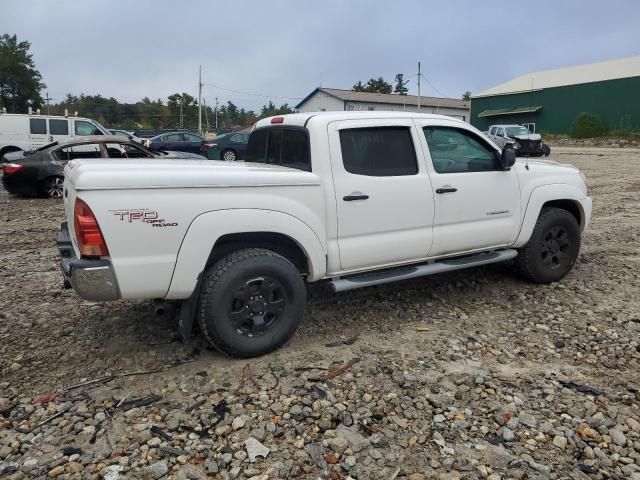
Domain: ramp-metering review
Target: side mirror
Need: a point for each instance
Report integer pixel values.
(507, 159)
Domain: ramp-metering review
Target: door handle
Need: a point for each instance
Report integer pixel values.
(355, 196)
(446, 190)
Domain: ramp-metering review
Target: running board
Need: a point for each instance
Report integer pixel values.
(414, 271)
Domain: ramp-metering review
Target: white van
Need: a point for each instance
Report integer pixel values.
(28, 132)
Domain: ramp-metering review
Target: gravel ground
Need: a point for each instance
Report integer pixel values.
(470, 375)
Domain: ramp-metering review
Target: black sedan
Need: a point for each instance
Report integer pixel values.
(228, 146)
(41, 171)
(175, 141)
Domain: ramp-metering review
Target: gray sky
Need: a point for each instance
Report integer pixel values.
(131, 49)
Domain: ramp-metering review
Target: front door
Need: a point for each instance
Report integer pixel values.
(477, 205)
(383, 193)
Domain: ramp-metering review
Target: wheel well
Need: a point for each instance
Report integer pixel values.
(9, 148)
(569, 205)
(277, 242)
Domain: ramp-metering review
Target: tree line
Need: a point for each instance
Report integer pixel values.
(21, 86)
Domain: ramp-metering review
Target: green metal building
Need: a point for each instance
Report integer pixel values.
(549, 101)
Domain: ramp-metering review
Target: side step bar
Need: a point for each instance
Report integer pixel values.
(414, 271)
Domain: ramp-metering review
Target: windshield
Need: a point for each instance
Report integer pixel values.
(513, 131)
(104, 130)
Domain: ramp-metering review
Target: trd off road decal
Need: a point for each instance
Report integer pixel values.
(143, 215)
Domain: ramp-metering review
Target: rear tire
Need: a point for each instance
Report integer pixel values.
(52, 187)
(553, 248)
(229, 155)
(251, 302)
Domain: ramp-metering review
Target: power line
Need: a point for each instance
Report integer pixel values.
(251, 94)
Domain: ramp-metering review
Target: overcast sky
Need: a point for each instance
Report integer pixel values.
(285, 48)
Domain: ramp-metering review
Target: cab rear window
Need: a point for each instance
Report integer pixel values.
(284, 146)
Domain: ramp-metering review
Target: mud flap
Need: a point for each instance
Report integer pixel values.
(188, 312)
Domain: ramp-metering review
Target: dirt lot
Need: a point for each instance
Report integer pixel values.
(476, 374)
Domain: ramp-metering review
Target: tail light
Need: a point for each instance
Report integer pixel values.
(207, 145)
(277, 120)
(88, 235)
(9, 168)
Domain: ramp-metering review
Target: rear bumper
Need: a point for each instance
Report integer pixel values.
(92, 279)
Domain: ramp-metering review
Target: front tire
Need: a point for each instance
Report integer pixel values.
(546, 150)
(251, 302)
(53, 187)
(553, 248)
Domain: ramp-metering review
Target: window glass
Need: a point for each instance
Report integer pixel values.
(174, 137)
(281, 146)
(190, 137)
(86, 128)
(125, 150)
(274, 147)
(235, 138)
(244, 138)
(500, 132)
(457, 151)
(295, 151)
(58, 127)
(89, 150)
(257, 147)
(378, 151)
(38, 126)
(493, 131)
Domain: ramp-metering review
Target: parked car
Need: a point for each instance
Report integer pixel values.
(123, 133)
(228, 146)
(176, 141)
(520, 139)
(41, 171)
(350, 198)
(28, 132)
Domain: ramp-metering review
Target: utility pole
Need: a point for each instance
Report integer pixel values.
(48, 99)
(216, 115)
(200, 101)
(181, 101)
(419, 86)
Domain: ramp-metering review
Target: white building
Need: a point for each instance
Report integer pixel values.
(333, 99)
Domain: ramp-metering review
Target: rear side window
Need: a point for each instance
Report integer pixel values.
(38, 126)
(378, 151)
(288, 147)
(58, 127)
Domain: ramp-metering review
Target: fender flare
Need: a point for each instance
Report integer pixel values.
(547, 193)
(205, 230)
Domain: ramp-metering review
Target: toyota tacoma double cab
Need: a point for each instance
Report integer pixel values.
(520, 139)
(349, 198)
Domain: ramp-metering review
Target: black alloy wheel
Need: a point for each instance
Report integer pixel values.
(257, 305)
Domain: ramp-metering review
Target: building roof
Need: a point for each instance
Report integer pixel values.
(592, 72)
(388, 98)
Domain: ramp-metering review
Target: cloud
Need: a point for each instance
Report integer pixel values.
(287, 47)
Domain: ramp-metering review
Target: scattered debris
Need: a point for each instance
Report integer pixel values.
(339, 343)
(582, 388)
(155, 430)
(255, 449)
(140, 402)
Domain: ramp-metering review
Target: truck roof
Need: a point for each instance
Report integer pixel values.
(301, 119)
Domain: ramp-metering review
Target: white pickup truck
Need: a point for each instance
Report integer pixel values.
(350, 198)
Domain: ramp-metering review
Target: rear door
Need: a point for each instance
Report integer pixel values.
(192, 143)
(383, 193)
(38, 133)
(58, 129)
